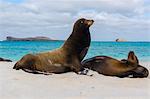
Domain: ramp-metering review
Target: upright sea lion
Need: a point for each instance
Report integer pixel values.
(112, 67)
(66, 58)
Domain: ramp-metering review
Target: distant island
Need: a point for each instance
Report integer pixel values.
(121, 40)
(38, 38)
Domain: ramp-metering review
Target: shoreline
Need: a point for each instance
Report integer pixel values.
(21, 85)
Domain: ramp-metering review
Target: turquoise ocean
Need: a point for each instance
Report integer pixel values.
(14, 50)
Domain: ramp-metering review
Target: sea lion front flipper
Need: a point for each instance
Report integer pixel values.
(77, 67)
(125, 74)
(83, 53)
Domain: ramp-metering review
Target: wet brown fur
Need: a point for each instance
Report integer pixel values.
(64, 59)
(112, 67)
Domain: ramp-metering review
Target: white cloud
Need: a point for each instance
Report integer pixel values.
(57, 16)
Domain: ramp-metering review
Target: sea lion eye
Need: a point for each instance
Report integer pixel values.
(81, 22)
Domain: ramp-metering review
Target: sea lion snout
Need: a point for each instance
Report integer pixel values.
(89, 22)
(82, 24)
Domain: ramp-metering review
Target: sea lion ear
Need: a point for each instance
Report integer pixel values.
(133, 58)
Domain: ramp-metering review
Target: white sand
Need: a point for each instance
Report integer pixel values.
(21, 85)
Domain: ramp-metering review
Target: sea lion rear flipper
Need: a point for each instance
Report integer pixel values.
(140, 72)
(36, 72)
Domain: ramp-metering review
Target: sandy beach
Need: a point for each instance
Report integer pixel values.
(21, 85)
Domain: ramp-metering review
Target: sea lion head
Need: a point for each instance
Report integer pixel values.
(82, 24)
(132, 58)
(139, 71)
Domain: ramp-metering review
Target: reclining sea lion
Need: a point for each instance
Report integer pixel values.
(112, 67)
(66, 58)
(6, 60)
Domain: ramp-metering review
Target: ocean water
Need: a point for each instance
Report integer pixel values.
(14, 50)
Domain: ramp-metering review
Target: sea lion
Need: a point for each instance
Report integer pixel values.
(112, 67)
(66, 58)
(5, 60)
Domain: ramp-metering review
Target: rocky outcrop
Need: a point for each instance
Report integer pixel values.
(120, 40)
(6, 60)
(38, 38)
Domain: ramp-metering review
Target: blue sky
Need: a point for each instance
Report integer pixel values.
(126, 19)
(14, 1)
